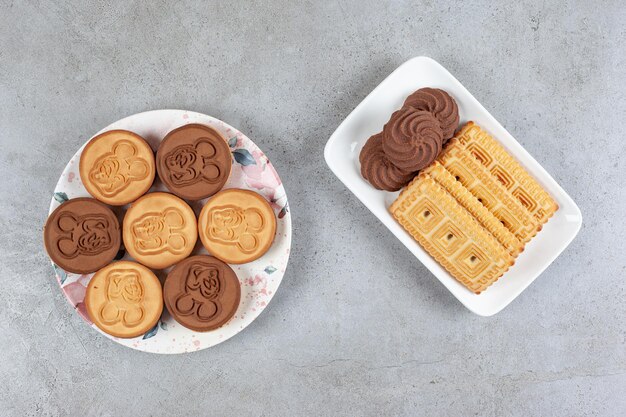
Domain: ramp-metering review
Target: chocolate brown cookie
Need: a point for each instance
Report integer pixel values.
(82, 235)
(202, 293)
(378, 169)
(412, 139)
(194, 161)
(440, 104)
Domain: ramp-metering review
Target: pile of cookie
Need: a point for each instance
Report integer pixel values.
(410, 140)
(159, 230)
(472, 207)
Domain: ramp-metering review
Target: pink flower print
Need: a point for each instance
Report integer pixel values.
(257, 280)
(261, 175)
(75, 292)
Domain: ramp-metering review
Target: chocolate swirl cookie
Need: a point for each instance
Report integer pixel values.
(440, 104)
(412, 139)
(378, 169)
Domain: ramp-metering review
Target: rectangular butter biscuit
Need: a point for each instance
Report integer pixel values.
(508, 171)
(450, 234)
(475, 207)
(488, 190)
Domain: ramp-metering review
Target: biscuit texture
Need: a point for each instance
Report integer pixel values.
(450, 234)
(508, 171)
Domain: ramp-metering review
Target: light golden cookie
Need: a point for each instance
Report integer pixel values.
(237, 226)
(437, 172)
(124, 299)
(159, 230)
(488, 190)
(450, 234)
(508, 171)
(117, 167)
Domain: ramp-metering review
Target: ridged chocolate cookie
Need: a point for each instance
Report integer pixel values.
(412, 139)
(440, 104)
(378, 169)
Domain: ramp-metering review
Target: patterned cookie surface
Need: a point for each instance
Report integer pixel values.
(124, 299)
(450, 234)
(508, 171)
(488, 190)
(378, 170)
(475, 207)
(440, 104)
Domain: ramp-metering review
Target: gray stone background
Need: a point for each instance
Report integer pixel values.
(359, 326)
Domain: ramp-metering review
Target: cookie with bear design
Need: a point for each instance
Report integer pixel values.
(194, 161)
(117, 167)
(202, 293)
(159, 230)
(124, 299)
(237, 226)
(82, 235)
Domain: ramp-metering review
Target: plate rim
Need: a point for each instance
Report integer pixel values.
(331, 161)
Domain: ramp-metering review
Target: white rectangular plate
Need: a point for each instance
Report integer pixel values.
(342, 156)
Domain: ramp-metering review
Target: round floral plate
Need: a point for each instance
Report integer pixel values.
(259, 279)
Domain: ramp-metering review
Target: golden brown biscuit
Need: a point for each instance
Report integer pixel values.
(437, 172)
(488, 190)
(124, 299)
(159, 230)
(450, 234)
(117, 167)
(508, 171)
(237, 226)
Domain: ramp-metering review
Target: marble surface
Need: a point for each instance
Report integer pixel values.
(359, 326)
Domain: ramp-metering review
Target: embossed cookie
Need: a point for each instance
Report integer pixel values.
(202, 293)
(477, 179)
(82, 235)
(194, 161)
(124, 299)
(237, 226)
(481, 213)
(508, 171)
(440, 104)
(412, 139)
(117, 167)
(450, 234)
(159, 230)
(378, 170)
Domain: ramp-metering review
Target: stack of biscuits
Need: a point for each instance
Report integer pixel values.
(473, 208)
(410, 140)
